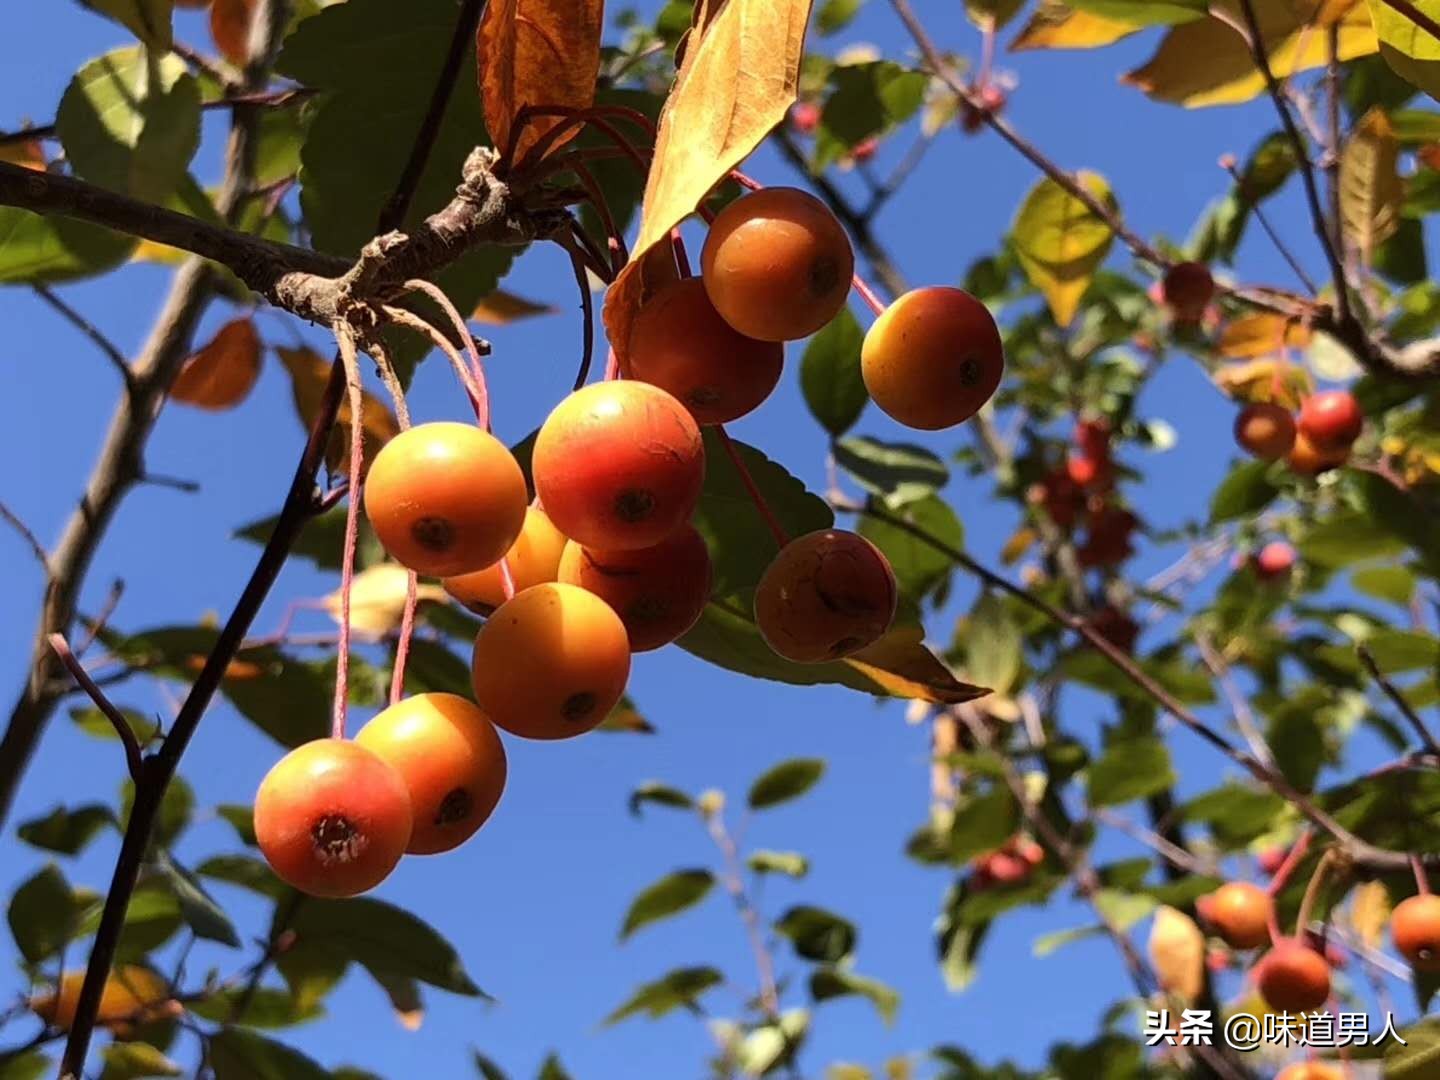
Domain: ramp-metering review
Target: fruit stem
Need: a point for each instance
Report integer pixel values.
(868, 294)
(612, 366)
(572, 118)
(412, 580)
(771, 522)
(614, 241)
(1292, 860)
(507, 579)
(1422, 880)
(477, 368)
(1312, 892)
(400, 317)
(346, 342)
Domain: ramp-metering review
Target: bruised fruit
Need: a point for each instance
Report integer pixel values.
(551, 662)
(1293, 978)
(1239, 913)
(1187, 290)
(1331, 420)
(1307, 459)
(131, 995)
(1415, 925)
(452, 762)
(658, 592)
(1265, 430)
(827, 595)
(680, 343)
(619, 465)
(332, 818)
(777, 264)
(445, 498)
(533, 558)
(933, 358)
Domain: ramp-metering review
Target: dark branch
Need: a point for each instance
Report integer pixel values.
(1427, 739)
(133, 759)
(31, 541)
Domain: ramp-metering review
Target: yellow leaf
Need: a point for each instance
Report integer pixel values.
(131, 994)
(377, 599)
(1413, 52)
(901, 664)
(1260, 334)
(1056, 25)
(735, 84)
(1371, 191)
(501, 307)
(1020, 542)
(1207, 62)
(992, 13)
(160, 254)
(625, 717)
(1177, 953)
(537, 52)
(1264, 380)
(222, 374)
(1061, 243)
(309, 372)
(1370, 913)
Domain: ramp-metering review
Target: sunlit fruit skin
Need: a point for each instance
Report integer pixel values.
(551, 662)
(933, 358)
(658, 592)
(446, 498)
(1415, 925)
(619, 465)
(680, 343)
(132, 995)
(1309, 1070)
(1275, 560)
(452, 761)
(1265, 430)
(1293, 978)
(1187, 290)
(1239, 913)
(1307, 459)
(332, 818)
(534, 558)
(827, 595)
(777, 264)
(1331, 420)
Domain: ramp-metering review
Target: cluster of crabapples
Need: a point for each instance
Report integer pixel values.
(1007, 866)
(1294, 974)
(605, 562)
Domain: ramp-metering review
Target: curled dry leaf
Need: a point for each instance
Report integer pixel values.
(222, 374)
(901, 664)
(377, 599)
(230, 28)
(1252, 336)
(309, 372)
(739, 77)
(27, 153)
(1265, 380)
(501, 307)
(537, 52)
(1177, 952)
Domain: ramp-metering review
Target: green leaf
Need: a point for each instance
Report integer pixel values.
(982, 823)
(236, 1054)
(1130, 769)
(321, 540)
(1410, 50)
(1371, 190)
(680, 988)
(1400, 515)
(818, 934)
(488, 1069)
(1298, 742)
(653, 791)
(830, 374)
(867, 100)
(1245, 491)
(177, 807)
(152, 919)
(66, 831)
(669, 896)
(1419, 1059)
(992, 643)
(148, 20)
(1061, 244)
(786, 781)
(30, 1065)
(740, 544)
(241, 819)
(1235, 814)
(383, 939)
(130, 122)
(44, 915)
(835, 15)
(918, 567)
(246, 872)
(1347, 538)
(900, 473)
(771, 1045)
(47, 250)
(551, 1069)
(790, 863)
(199, 911)
(95, 724)
(832, 982)
(1046, 944)
(133, 1060)
(267, 1008)
(1395, 584)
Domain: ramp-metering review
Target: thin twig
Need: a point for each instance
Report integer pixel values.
(1239, 707)
(94, 626)
(112, 351)
(1171, 853)
(735, 885)
(1269, 226)
(1422, 730)
(31, 541)
(133, 758)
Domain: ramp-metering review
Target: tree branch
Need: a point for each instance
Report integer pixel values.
(1422, 731)
(85, 326)
(25, 533)
(117, 719)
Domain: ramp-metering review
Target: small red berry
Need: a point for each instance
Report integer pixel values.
(1275, 560)
(805, 117)
(1331, 420)
(1187, 290)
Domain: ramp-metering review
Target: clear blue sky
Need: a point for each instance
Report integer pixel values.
(534, 904)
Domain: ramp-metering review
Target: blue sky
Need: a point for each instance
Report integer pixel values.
(534, 903)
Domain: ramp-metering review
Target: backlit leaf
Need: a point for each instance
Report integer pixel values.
(148, 20)
(309, 372)
(1177, 953)
(786, 781)
(1371, 191)
(677, 989)
(222, 374)
(1057, 25)
(1061, 243)
(1411, 50)
(669, 896)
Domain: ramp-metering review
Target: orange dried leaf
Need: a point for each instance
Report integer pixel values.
(309, 372)
(537, 52)
(1264, 380)
(27, 153)
(230, 28)
(1252, 336)
(502, 307)
(740, 75)
(222, 374)
(901, 664)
